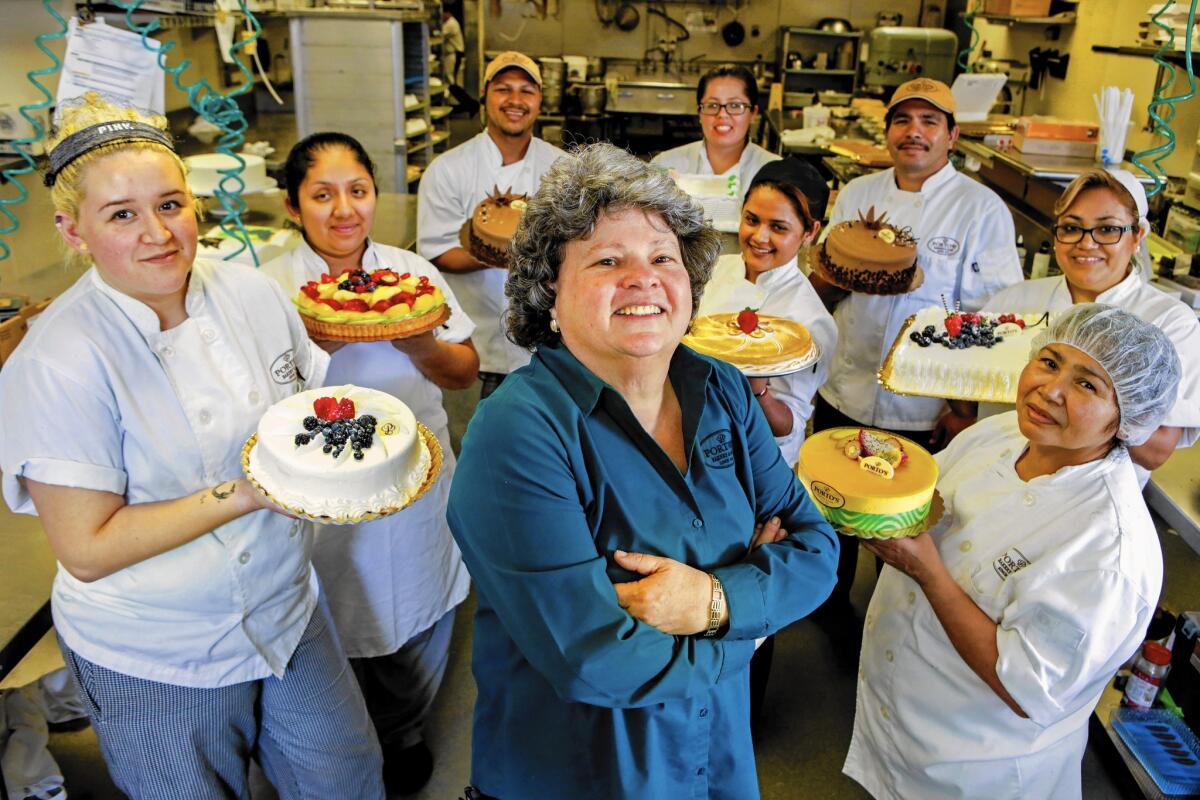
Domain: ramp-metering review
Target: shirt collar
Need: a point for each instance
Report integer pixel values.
(933, 182)
(310, 259)
(1067, 476)
(781, 275)
(686, 370)
(141, 315)
(1123, 290)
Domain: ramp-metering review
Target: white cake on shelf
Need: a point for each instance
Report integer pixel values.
(204, 173)
(961, 356)
(340, 452)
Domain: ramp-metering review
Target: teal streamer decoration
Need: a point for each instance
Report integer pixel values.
(964, 55)
(11, 174)
(1161, 122)
(218, 108)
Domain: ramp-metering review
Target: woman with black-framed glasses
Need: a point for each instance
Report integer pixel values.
(727, 104)
(1100, 223)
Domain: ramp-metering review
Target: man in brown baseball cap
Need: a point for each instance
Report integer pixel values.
(515, 60)
(921, 130)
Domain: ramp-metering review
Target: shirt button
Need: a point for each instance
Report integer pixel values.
(244, 558)
(166, 351)
(700, 771)
(295, 529)
(965, 546)
(883, 712)
(697, 523)
(889, 655)
(254, 397)
(204, 417)
(208, 334)
(912, 598)
(703, 713)
(1028, 499)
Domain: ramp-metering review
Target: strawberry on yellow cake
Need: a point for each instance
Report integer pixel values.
(370, 306)
(868, 482)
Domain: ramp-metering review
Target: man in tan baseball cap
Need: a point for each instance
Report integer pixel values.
(515, 60)
(927, 89)
(920, 130)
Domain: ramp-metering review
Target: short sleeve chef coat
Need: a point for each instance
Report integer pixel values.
(966, 246)
(577, 699)
(1068, 566)
(692, 159)
(98, 397)
(782, 292)
(1137, 297)
(450, 189)
(392, 578)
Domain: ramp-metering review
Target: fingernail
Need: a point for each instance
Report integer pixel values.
(620, 553)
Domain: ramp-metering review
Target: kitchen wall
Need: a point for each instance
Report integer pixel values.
(1112, 22)
(572, 26)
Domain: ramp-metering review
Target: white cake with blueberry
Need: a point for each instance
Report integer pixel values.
(340, 452)
(961, 356)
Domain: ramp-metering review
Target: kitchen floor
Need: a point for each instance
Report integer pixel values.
(809, 709)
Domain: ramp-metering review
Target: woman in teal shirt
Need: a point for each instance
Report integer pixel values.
(624, 510)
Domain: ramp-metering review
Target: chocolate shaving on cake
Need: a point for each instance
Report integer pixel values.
(502, 198)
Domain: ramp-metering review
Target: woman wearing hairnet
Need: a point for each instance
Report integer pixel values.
(1099, 243)
(990, 638)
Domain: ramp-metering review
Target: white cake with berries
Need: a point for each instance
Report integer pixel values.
(961, 356)
(340, 452)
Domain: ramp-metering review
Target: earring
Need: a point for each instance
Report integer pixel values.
(553, 325)
(83, 248)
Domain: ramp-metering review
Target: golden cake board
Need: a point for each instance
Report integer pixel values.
(435, 468)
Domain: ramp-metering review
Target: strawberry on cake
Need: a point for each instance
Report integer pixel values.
(370, 306)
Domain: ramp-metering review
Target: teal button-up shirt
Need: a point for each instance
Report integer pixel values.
(577, 699)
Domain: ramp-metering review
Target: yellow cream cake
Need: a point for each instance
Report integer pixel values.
(757, 344)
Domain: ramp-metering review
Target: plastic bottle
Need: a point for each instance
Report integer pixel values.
(1149, 672)
(1041, 262)
(1022, 253)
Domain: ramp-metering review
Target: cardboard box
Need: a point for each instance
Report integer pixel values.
(1038, 127)
(12, 330)
(1017, 8)
(1053, 147)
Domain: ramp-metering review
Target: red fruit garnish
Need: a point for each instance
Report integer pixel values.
(747, 320)
(1020, 323)
(381, 306)
(336, 305)
(327, 278)
(407, 297)
(326, 408)
(379, 273)
(954, 324)
(360, 288)
(423, 281)
(355, 305)
(311, 291)
(345, 409)
(388, 279)
(406, 276)
(973, 318)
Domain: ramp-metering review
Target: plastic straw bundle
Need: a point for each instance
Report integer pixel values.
(1113, 107)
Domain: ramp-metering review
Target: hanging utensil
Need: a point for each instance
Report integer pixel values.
(627, 17)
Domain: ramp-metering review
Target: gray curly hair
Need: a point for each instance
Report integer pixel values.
(580, 186)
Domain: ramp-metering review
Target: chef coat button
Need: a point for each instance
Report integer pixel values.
(697, 523)
(254, 397)
(889, 655)
(883, 712)
(965, 546)
(700, 771)
(205, 417)
(912, 598)
(166, 351)
(1028, 499)
(208, 334)
(703, 713)
(244, 558)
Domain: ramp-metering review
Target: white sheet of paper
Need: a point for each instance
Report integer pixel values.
(719, 196)
(113, 62)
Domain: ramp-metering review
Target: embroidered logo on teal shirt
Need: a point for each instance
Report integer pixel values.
(717, 449)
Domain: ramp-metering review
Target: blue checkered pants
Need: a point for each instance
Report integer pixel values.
(309, 730)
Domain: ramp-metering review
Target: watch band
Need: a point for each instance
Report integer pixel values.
(716, 608)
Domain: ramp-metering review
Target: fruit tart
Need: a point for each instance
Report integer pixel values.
(361, 306)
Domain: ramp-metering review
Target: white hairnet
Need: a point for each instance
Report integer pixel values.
(1138, 192)
(1140, 361)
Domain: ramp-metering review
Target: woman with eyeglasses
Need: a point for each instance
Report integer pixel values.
(727, 100)
(1100, 224)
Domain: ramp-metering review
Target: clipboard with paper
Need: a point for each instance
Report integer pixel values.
(113, 62)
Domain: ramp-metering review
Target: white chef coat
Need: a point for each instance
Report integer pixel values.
(392, 578)
(1069, 567)
(1137, 297)
(966, 246)
(98, 397)
(782, 292)
(692, 159)
(450, 189)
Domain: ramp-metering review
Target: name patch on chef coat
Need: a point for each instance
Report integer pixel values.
(944, 245)
(717, 449)
(283, 368)
(1011, 562)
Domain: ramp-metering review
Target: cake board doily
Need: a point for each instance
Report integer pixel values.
(815, 265)
(774, 371)
(435, 469)
(464, 239)
(382, 332)
(937, 508)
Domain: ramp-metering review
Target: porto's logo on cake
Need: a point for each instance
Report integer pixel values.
(717, 449)
(827, 495)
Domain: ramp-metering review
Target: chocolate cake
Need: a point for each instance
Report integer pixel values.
(492, 225)
(867, 255)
